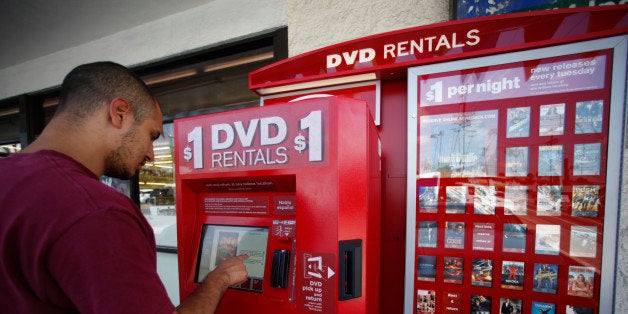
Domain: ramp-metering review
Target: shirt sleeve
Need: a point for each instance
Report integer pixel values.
(106, 263)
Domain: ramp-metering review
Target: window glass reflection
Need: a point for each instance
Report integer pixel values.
(157, 186)
(8, 149)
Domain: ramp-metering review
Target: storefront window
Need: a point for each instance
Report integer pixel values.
(8, 149)
(156, 181)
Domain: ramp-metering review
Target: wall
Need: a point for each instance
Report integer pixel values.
(316, 24)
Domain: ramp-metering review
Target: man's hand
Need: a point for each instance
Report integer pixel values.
(206, 297)
(230, 272)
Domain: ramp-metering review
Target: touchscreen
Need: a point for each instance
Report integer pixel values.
(219, 242)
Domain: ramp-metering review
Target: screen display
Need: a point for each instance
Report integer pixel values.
(219, 242)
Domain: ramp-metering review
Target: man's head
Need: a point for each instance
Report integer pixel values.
(117, 98)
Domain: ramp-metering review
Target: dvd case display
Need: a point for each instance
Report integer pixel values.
(510, 306)
(550, 160)
(547, 239)
(518, 122)
(552, 119)
(545, 278)
(514, 238)
(428, 199)
(426, 270)
(512, 275)
(516, 200)
(456, 199)
(585, 201)
(428, 233)
(581, 282)
(453, 270)
(454, 235)
(543, 308)
(583, 242)
(517, 161)
(549, 200)
(589, 116)
(484, 200)
(572, 309)
(481, 304)
(586, 159)
(426, 301)
(482, 272)
(522, 185)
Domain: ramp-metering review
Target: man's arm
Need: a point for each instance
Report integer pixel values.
(206, 297)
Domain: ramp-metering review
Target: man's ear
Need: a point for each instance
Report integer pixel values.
(119, 109)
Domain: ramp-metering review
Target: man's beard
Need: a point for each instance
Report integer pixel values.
(115, 166)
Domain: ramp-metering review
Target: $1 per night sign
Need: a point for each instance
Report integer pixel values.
(257, 138)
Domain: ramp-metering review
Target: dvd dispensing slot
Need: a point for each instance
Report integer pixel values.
(349, 269)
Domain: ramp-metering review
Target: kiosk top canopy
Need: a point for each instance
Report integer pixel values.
(388, 55)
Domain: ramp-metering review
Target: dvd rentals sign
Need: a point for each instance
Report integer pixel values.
(254, 139)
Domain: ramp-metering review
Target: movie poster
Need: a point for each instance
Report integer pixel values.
(514, 240)
(426, 269)
(518, 122)
(456, 199)
(585, 201)
(589, 116)
(543, 308)
(547, 239)
(516, 200)
(452, 302)
(425, 301)
(572, 309)
(552, 120)
(586, 159)
(512, 275)
(484, 200)
(227, 246)
(549, 200)
(454, 235)
(581, 281)
(545, 278)
(583, 241)
(428, 199)
(481, 304)
(458, 144)
(483, 236)
(517, 161)
(482, 272)
(453, 270)
(550, 160)
(510, 306)
(428, 233)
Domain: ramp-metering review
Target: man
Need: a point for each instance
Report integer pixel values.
(67, 242)
(507, 307)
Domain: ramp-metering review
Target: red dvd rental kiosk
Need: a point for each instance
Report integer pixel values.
(297, 188)
(502, 140)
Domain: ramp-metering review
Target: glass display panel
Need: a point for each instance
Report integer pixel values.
(512, 157)
(219, 242)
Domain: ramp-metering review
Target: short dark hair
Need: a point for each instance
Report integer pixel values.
(91, 85)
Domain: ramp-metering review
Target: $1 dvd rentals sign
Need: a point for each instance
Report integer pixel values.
(268, 138)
